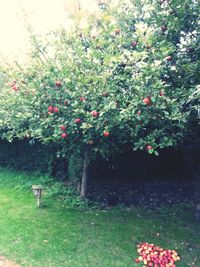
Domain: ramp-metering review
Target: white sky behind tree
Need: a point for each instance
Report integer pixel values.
(43, 15)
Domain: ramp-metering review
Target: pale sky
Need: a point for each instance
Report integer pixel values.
(43, 15)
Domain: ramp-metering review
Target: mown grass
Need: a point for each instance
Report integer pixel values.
(58, 236)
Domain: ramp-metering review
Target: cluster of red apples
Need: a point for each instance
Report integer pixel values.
(154, 256)
(13, 85)
(52, 110)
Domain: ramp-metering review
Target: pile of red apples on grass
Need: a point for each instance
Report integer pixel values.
(151, 255)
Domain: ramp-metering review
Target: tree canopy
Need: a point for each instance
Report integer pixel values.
(126, 78)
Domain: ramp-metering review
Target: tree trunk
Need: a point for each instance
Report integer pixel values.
(84, 180)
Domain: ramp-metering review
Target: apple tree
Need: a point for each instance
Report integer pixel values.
(120, 81)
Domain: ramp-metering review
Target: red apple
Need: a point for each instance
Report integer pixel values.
(82, 98)
(149, 148)
(50, 108)
(161, 93)
(134, 44)
(105, 94)
(163, 28)
(145, 261)
(62, 128)
(58, 83)
(169, 58)
(139, 112)
(55, 109)
(137, 260)
(95, 113)
(147, 101)
(14, 87)
(140, 258)
(64, 135)
(117, 31)
(77, 120)
(106, 133)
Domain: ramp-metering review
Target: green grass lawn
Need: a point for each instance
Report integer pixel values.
(58, 236)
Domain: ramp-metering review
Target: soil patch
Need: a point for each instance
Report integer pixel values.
(6, 263)
(142, 194)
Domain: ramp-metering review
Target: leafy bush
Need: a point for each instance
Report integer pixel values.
(69, 196)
